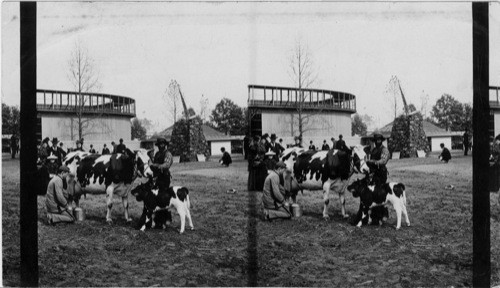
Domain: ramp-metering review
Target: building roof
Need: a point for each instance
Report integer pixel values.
(210, 134)
(430, 130)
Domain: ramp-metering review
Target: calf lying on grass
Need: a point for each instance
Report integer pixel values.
(372, 196)
(157, 202)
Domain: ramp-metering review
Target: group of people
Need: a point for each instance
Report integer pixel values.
(263, 154)
(58, 196)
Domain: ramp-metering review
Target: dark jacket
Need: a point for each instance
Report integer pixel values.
(105, 151)
(445, 154)
(226, 159)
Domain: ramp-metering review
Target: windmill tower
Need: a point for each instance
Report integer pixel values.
(408, 135)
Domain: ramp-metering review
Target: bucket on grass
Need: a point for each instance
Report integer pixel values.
(79, 214)
(296, 210)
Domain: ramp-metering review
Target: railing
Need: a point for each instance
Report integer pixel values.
(88, 103)
(494, 97)
(286, 97)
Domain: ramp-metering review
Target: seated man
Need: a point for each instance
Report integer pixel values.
(226, 158)
(445, 154)
(273, 197)
(56, 199)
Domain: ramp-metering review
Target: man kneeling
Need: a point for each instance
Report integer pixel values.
(273, 198)
(56, 200)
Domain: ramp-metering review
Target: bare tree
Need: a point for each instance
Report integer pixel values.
(84, 78)
(393, 94)
(302, 73)
(172, 98)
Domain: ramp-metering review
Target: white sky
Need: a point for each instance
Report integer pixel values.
(217, 49)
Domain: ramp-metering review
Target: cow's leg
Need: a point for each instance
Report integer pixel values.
(109, 202)
(125, 208)
(405, 212)
(141, 225)
(326, 199)
(398, 207)
(342, 197)
(188, 213)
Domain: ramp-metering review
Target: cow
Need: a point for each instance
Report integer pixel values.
(155, 202)
(112, 173)
(322, 170)
(372, 196)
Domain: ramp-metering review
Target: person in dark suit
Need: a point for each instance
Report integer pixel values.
(120, 148)
(275, 147)
(466, 143)
(311, 146)
(340, 145)
(445, 154)
(92, 150)
(226, 158)
(325, 146)
(105, 150)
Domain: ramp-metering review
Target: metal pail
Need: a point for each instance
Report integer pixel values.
(296, 210)
(79, 214)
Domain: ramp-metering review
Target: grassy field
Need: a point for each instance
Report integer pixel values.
(230, 246)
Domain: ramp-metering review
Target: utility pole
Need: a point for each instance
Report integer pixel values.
(28, 154)
(481, 262)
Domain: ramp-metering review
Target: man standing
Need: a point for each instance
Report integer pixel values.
(298, 142)
(340, 145)
(120, 148)
(273, 197)
(333, 143)
(56, 151)
(325, 146)
(56, 200)
(311, 146)
(466, 143)
(92, 150)
(379, 156)
(79, 146)
(275, 147)
(161, 168)
(105, 150)
(113, 144)
(13, 145)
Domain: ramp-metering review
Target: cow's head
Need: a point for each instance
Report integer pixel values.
(290, 156)
(142, 157)
(141, 191)
(358, 187)
(359, 159)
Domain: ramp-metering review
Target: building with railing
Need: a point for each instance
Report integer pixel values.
(494, 112)
(324, 113)
(103, 117)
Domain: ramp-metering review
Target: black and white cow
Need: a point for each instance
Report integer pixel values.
(372, 196)
(112, 173)
(323, 170)
(156, 202)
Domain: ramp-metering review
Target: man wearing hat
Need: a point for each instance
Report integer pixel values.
(79, 146)
(275, 147)
(378, 158)
(56, 200)
(105, 150)
(120, 148)
(325, 146)
(52, 165)
(43, 151)
(56, 151)
(273, 198)
(161, 167)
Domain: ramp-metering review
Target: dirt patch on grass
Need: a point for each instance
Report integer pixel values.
(230, 246)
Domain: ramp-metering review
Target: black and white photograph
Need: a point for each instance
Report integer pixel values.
(242, 144)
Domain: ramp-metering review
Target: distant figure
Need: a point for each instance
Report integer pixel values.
(333, 142)
(275, 147)
(14, 145)
(79, 146)
(62, 150)
(340, 145)
(325, 146)
(311, 146)
(113, 144)
(466, 143)
(56, 151)
(120, 148)
(92, 150)
(226, 158)
(298, 141)
(445, 154)
(246, 145)
(43, 151)
(105, 150)
(52, 165)
(281, 143)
